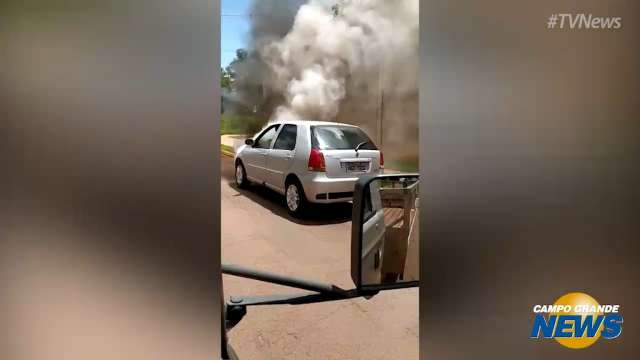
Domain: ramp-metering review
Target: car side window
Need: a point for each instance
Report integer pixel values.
(287, 138)
(265, 139)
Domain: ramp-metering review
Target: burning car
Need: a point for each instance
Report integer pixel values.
(308, 161)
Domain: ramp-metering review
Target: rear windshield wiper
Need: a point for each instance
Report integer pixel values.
(361, 144)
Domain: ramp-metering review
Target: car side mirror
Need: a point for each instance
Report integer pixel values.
(249, 142)
(385, 236)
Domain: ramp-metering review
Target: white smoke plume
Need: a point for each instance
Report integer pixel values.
(362, 46)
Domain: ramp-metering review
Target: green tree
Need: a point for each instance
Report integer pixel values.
(225, 79)
(228, 74)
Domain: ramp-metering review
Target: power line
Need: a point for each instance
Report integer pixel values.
(260, 14)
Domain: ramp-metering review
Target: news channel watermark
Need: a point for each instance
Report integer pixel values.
(576, 321)
(583, 21)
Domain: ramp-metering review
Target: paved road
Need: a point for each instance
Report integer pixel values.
(257, 232)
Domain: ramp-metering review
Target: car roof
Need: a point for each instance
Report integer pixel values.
(310, 122)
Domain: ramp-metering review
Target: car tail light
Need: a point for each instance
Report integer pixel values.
(316, 160)
(381, 161)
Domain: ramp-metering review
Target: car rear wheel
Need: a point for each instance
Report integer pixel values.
(295, 199)
(241, 176)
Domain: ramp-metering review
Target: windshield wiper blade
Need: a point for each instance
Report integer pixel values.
(303, 284)
(361, 144)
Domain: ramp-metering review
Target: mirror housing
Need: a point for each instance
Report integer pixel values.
(384, 252)
(248, 142)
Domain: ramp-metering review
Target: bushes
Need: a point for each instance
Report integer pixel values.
(240, 124)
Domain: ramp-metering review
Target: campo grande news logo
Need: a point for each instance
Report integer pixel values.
(576, 321)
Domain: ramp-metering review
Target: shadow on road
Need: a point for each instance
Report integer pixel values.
(318, 214)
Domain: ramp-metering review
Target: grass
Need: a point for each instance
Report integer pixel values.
(233, 124)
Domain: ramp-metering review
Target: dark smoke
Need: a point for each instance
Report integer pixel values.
(349, 61)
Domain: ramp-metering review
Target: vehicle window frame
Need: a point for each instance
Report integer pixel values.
(295, 137)
(314, 139)
(264, 132)
(367, 206)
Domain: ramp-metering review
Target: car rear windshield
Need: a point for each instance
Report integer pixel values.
(336, 137)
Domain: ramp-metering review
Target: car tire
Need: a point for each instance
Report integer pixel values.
(241, 176)
(295, 199)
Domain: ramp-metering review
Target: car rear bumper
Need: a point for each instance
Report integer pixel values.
(319, 188)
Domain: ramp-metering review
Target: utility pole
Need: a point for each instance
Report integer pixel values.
(382, 116)
(381, 102)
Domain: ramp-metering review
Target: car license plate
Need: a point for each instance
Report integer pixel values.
(355, 166)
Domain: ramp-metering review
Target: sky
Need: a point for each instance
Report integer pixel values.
(234, 28)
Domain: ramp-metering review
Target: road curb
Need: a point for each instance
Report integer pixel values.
(227, 150)
(227, 153)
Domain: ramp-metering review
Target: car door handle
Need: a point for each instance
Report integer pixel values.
(376, 259)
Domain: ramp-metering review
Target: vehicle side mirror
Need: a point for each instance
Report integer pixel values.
(249, 142)
(385, 236)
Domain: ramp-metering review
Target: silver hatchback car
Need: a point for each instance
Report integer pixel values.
(308, 161)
